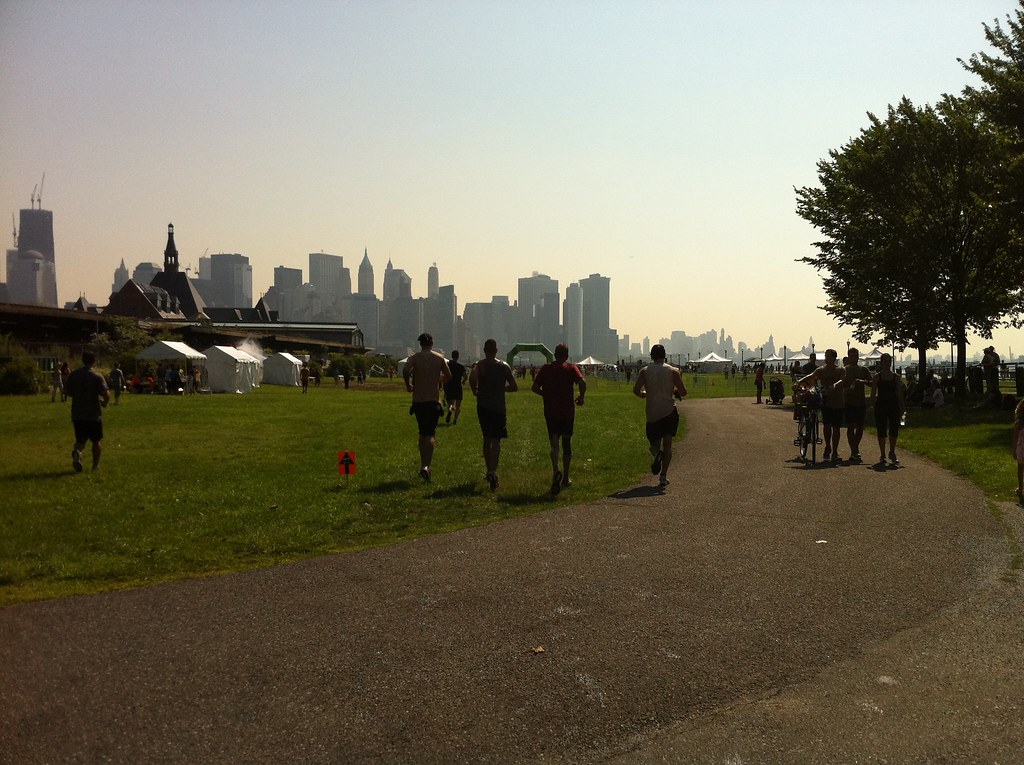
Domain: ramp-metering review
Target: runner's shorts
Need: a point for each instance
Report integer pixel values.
(88, 430)
(833, 417)
(492, 423)
(560, 426)
(666, 426)
(427, 414)
(854, 416)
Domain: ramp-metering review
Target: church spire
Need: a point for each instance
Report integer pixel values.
(170, 252)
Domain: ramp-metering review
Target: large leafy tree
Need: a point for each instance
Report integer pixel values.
(916, 247)
(1002, 72)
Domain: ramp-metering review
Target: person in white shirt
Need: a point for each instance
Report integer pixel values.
(660, 385)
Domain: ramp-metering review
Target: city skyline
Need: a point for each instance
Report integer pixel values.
(655, 144)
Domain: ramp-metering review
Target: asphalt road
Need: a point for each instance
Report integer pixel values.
(755, 612)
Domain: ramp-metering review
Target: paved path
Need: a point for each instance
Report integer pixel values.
(756, 612)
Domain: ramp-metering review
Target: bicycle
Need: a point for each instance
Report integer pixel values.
(808, 404)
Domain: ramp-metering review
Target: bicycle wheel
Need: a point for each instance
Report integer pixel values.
(813, 436)
(803, 437)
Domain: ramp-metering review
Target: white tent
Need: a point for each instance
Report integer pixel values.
(713, 362)
(799, 357)
(169, 350)
(590, 361)
(282, 369)
(230, 370)
(875, 355)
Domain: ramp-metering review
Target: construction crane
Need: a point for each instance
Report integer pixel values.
(14, 231)
(39, 196)
(32, 204)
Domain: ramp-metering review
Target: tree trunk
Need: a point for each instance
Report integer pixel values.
(961, 364)
(922, 366)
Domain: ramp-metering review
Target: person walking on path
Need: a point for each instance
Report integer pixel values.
(758, 380)
(490, 379)
(453, 389)
(555, 382)
(89, 393)
(424, 374)
(304, 377)
(1018, 447)
(117, 382)
(888, 397)
(832, 411)
(660, 385)
(855, 377)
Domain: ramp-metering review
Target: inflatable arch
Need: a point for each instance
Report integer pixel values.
(538, 347)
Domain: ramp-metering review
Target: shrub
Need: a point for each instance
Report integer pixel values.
(20, 376)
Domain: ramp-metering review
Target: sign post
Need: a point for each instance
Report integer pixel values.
(346, 464)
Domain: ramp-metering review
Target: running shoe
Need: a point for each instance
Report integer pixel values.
(656, 465)
(663, 482)
(556, 483)
(425, 474)
(492, 479)
(448, 417)
(893, 460)
(76, 460)
(827, 455)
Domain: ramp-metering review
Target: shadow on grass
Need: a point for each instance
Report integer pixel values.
(467, 489)
(23, 477)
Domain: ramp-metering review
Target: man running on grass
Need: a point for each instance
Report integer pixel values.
(89, 394)
(489, 380)
(555, 382)
(424, 374)
(660, 385)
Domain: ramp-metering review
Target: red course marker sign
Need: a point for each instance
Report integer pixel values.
(346, 463)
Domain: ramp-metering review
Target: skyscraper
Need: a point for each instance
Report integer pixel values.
(599, 340)
(433, 281)
(365, 284)
(330, 277)
(572, 313)
(31, 273)
(232, 280)
(539, 310)
(120, 278)
(286, 278)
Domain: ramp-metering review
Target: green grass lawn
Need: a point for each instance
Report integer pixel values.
(197, 485)
(192, 486)
(974, 443)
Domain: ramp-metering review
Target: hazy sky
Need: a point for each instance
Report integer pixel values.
(657, 143)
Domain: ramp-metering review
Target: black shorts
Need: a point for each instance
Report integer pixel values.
(833, 417)
(427, 414)
(492, 424)
(88, 430)
(560, 426)
(666, 426)
(854, 416)
(453, 393)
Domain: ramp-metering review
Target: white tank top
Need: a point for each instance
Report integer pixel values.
(659, 386)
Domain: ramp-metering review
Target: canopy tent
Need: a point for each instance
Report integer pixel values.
(773, 358)
(230, 370)
(875, 355)
(713, 358)
(282, 369)
(799, 357)
(169, 350)
(590, 361)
